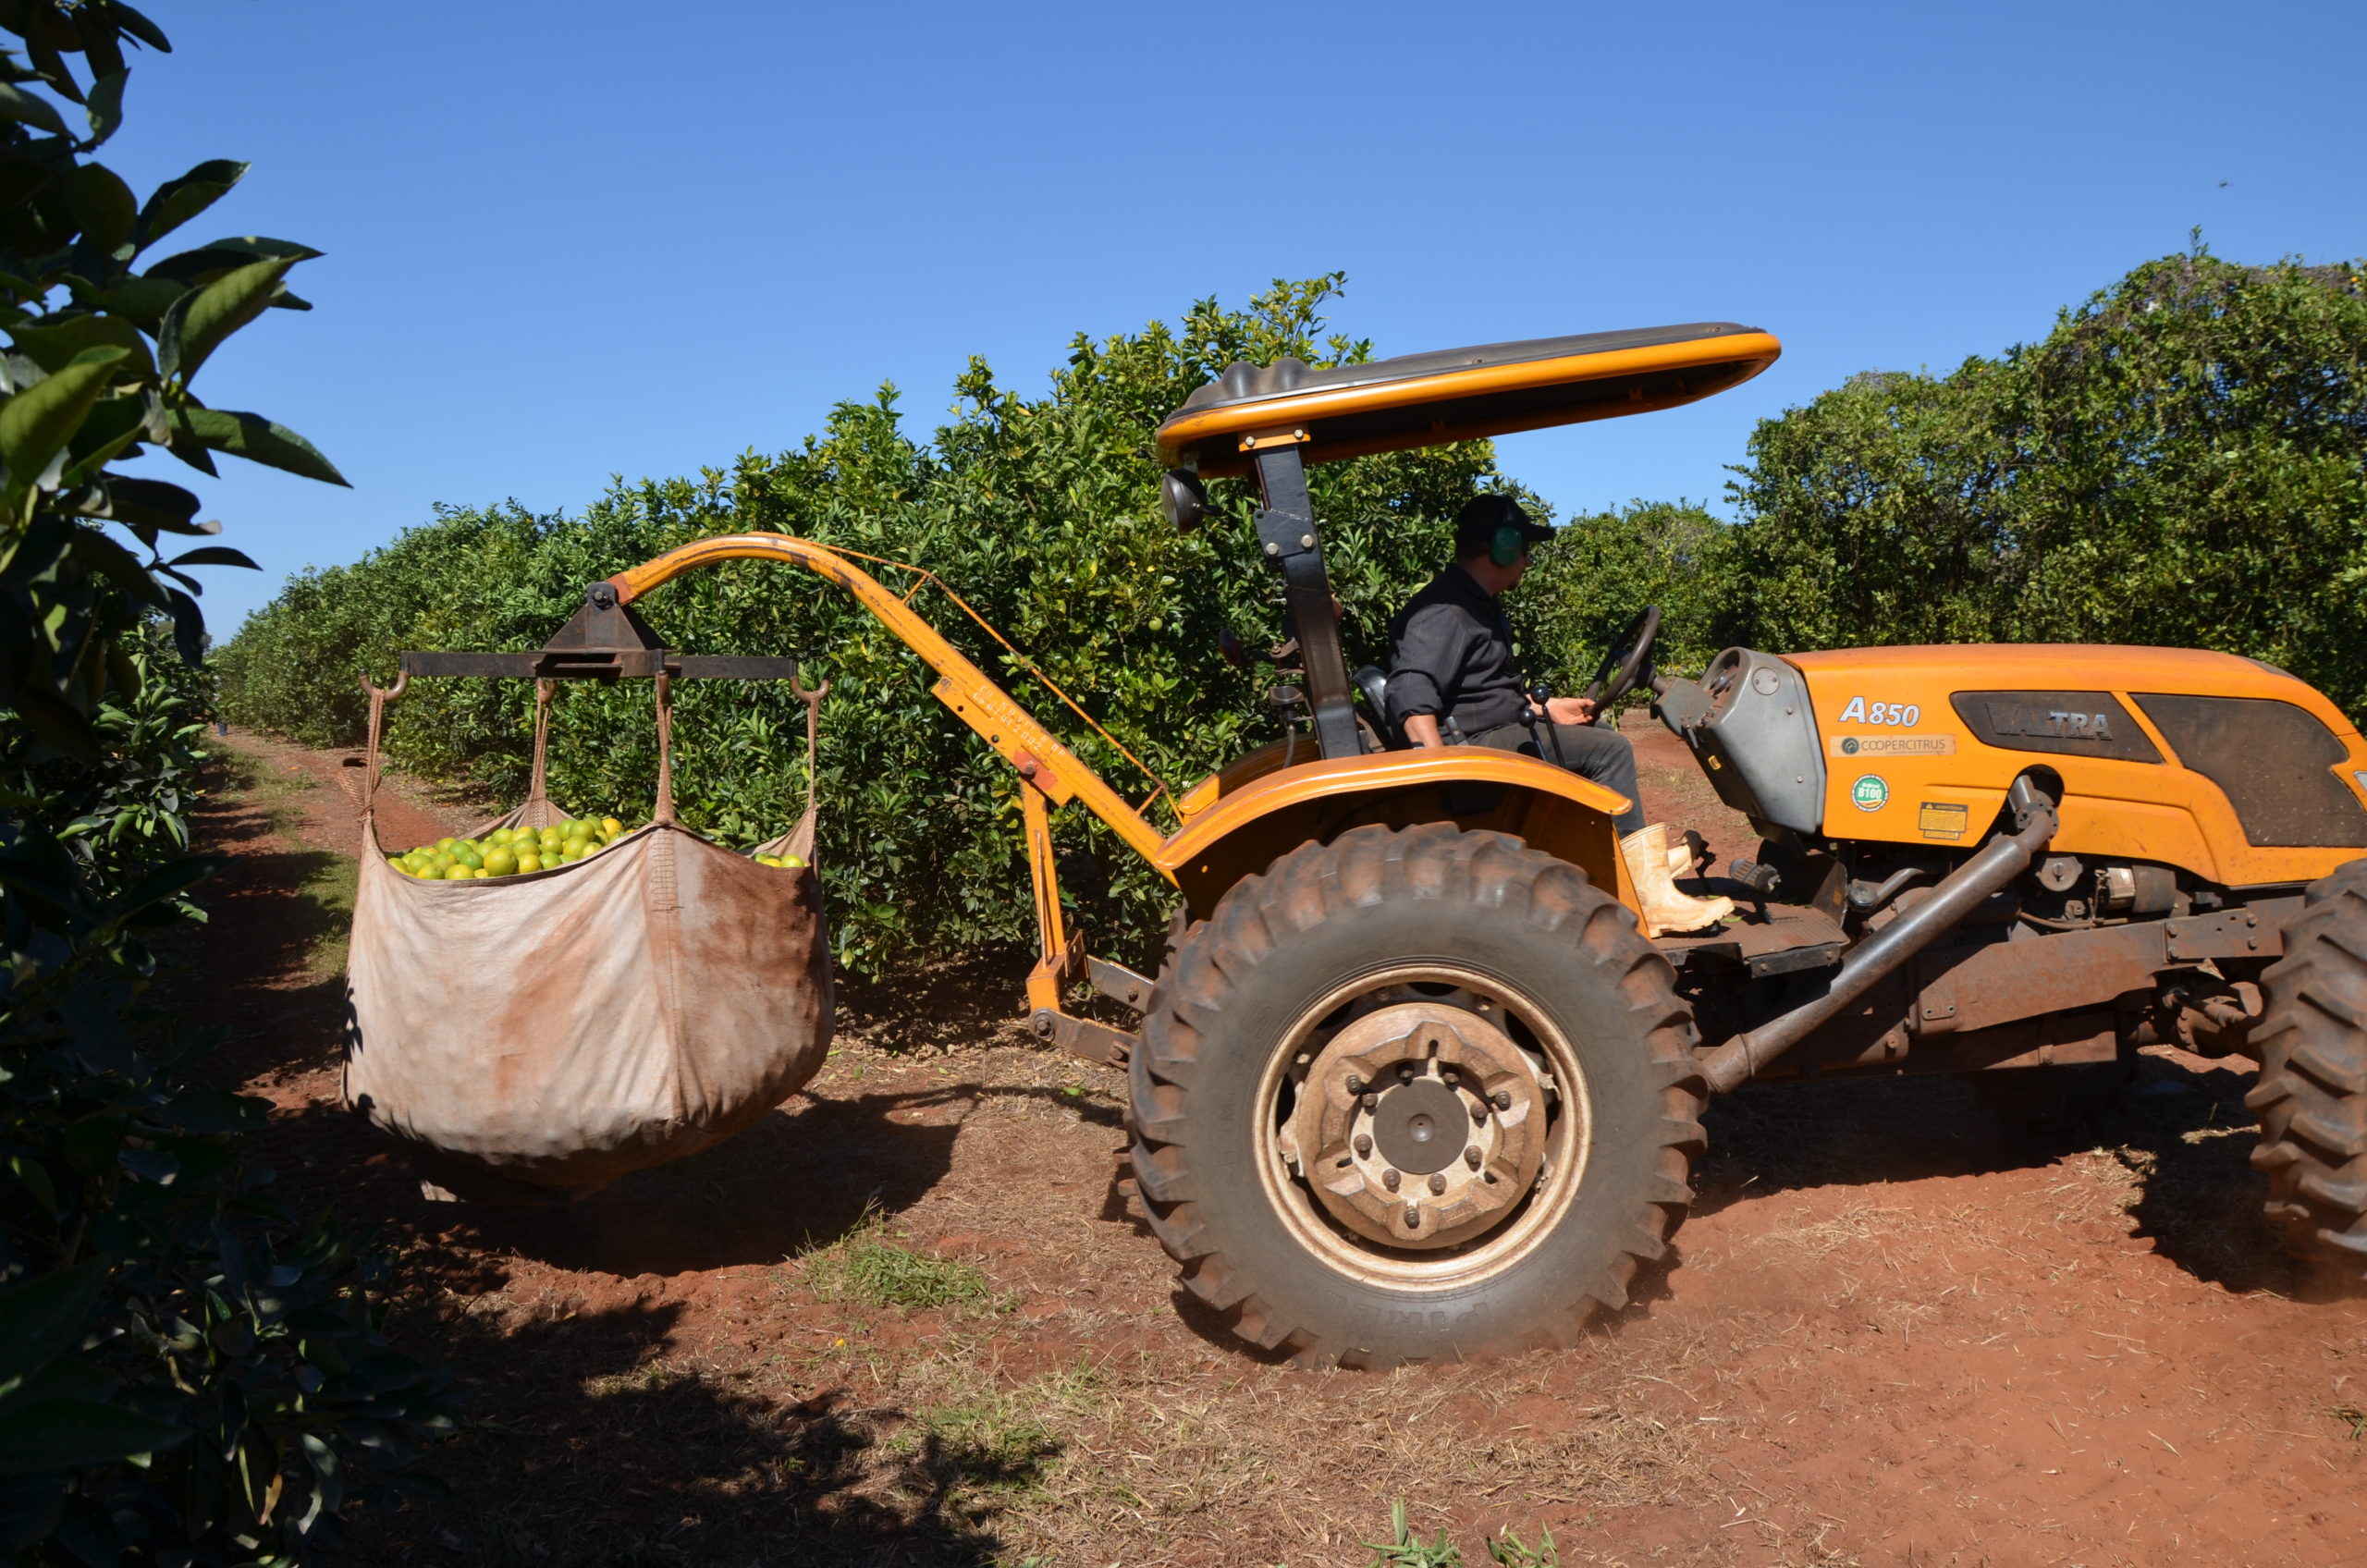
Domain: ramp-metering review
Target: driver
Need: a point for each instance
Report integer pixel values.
(1452, 664)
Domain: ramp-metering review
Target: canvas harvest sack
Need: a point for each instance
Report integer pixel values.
(534, 1038)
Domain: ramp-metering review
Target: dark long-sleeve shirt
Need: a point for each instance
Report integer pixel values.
(1451, 653)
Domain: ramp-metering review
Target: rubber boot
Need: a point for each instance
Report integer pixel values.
(1689, 856)
(1664, 911)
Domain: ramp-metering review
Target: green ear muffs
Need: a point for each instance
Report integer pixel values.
(1505, 548)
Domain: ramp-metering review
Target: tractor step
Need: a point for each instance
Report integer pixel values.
(1771, 939)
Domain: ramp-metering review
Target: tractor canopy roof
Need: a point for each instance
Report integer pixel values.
(1455, 394)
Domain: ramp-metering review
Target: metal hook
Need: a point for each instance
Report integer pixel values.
(809, 698)
(402, 681)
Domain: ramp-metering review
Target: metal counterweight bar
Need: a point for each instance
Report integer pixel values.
(1999, 862)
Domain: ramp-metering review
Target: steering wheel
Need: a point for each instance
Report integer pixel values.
(1631, 655)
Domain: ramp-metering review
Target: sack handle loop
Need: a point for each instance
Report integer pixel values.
(378, 701)
(665, 812)
(812, 700)
(544, 690)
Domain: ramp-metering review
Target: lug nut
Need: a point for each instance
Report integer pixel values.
(1437, 1184)
(1503, 1099)
(1471, 1157)
(1478, 1116)
(1413, 1217)
(1371, 1102)
(1355, 1085)
(1389, 1177)
(1364, 1145)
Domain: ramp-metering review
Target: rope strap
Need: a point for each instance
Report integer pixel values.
(664, 750)
(544, 690)
(812, 700)
(378, 701)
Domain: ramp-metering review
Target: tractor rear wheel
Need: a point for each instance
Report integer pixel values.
(2313, 1091)
(1414, 1095)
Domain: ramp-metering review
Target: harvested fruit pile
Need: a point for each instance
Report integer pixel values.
(510, 851)
(514, 851)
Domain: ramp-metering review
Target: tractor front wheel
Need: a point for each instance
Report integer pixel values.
(2313, 1091)
(1414, 1095)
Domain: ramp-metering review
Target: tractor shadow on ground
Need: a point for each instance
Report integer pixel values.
(2181, 1133)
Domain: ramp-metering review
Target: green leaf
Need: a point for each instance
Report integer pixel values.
(53, 345)
(47, 1317)
(183, 443)
(107, 434)
(172, 878)
(144, 299)
(177, 201)
(140, 27)
(102, 206)
(54, 720)
(189, 629)
(37, 423)
(35, 1176)
(65, 1435)
(154, 505)
(106, 105)
(254, 437)
(16, 103)
(112, 424)
(198, 322)
(103, 554)
(214, 555)
(208, 262)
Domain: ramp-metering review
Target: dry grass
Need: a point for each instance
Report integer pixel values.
(1850, 1228)
(1174, 1459)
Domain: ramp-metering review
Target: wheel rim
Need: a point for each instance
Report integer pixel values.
(1387, 1075)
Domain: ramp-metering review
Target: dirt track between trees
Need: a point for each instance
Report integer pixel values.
(1894, 1332)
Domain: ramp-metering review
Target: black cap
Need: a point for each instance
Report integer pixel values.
(1476, 524)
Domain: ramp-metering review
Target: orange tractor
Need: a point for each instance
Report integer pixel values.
(1411, 1084)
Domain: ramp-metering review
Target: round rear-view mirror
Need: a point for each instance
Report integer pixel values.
(1182, 498)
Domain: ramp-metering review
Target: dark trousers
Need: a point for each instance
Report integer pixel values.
(1590, 751)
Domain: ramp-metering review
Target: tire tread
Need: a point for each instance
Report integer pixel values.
(2311, 1096)
(1435, 860)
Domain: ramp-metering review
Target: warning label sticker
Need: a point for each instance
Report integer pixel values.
(1941, 819)
(1891, 746)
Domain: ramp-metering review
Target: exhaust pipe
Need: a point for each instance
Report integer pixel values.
(1999, 862)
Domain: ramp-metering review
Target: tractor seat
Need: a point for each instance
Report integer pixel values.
(1374, 687)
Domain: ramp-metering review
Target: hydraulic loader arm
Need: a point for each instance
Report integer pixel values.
(1048, 766)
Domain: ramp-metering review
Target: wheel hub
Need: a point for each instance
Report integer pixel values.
(1420, 1125)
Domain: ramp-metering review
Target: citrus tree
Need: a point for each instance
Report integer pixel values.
(2181, 462)
(1039, 512)
(187, 1374)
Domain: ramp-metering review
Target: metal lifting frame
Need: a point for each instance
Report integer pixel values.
(1287, 534)
(1050, 774)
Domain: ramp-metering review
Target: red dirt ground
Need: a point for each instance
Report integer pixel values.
(1895, 1330)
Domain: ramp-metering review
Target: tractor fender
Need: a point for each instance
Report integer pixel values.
(1238, 823)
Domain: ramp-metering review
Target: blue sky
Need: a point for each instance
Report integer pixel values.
(567, 241)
